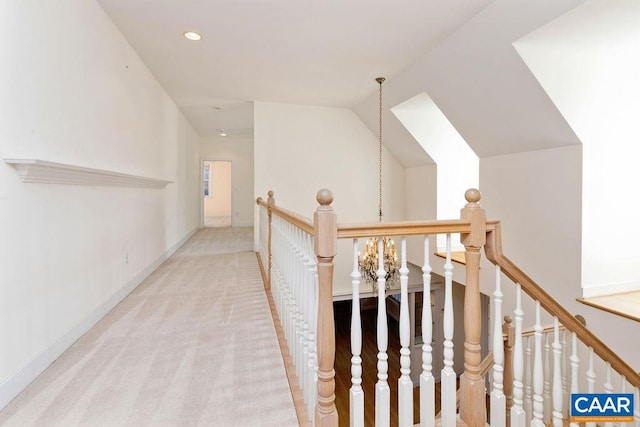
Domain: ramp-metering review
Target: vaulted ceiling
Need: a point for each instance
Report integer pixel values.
(328, 53)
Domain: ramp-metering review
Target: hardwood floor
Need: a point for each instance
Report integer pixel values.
(369, 362)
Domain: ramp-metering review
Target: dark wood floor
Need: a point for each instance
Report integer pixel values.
(369, 361)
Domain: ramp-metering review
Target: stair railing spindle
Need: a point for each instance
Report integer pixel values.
(498, 399)
(383, 392)
(574, 368)
(608, 387)
(427, 381)
(448, 375)
(405, 385)
(356, 394)
(518, 415)
(538, 400)
(546, 394)
(591, 381)
(528, 403)
(557, 375)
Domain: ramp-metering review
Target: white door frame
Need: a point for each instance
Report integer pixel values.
(233, 195)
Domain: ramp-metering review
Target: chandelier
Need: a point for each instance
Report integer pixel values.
(375, 247)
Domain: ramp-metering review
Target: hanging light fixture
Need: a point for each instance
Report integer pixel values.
(368, 261)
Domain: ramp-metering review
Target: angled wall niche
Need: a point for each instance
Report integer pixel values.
(458, 166)
(588, 62)
(44, 172)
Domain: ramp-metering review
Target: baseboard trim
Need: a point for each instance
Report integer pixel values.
(610, 289)
(13, 386)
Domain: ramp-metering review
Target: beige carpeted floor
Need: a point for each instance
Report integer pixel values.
(194, 344)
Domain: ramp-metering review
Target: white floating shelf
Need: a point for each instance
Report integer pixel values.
(40, 171)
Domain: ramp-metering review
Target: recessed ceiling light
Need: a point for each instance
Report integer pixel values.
(192, 35)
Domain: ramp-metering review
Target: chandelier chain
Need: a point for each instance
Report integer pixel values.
(380, 80)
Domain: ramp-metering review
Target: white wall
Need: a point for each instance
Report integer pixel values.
(588, 61)
(240, 152)
(301, 149)
(75, 92)
(537, 196)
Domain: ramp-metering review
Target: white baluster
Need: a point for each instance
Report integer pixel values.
(518, 415)
(427, 382)
(591, 381)
(293, 318)
(356, 394)
(565, 375)
(383, 393)
(538, 401)
(498, 399)
(528, 403)
(574, 368)
(448, 375)
(557, 375)
(405, 385)
(608, 387)
(299, 286)
(546, 394)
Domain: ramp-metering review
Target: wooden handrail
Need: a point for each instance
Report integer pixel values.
(407, 228)
(493, 250)
(261, 202)
(402, 228)
(299, 221)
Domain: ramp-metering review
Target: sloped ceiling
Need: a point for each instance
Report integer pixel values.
(328, 53)
(481, 84)
(289, 51)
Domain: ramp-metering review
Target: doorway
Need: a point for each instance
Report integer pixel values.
(216, 193)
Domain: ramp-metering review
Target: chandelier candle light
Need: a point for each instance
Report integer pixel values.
(376, 248)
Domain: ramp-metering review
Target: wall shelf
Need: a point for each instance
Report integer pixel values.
(40, 171)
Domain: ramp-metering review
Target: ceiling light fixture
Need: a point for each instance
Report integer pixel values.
(222, 132)
(192, 35)
(368, 261)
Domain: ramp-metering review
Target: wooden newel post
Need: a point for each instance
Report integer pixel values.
(271, 201)
(472, 386)
(325, 230)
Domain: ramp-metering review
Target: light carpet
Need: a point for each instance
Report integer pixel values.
(193, 345)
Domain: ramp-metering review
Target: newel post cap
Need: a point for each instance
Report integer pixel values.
(271, 201)
(324, 197)
(472, 196)
(325, 225)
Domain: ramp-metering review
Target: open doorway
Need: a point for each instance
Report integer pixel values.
(216, 193)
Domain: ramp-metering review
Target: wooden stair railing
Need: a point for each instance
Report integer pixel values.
(493, 250)
(519, 394)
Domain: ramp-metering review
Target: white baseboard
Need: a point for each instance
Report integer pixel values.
(30, 371)
(610, 289)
